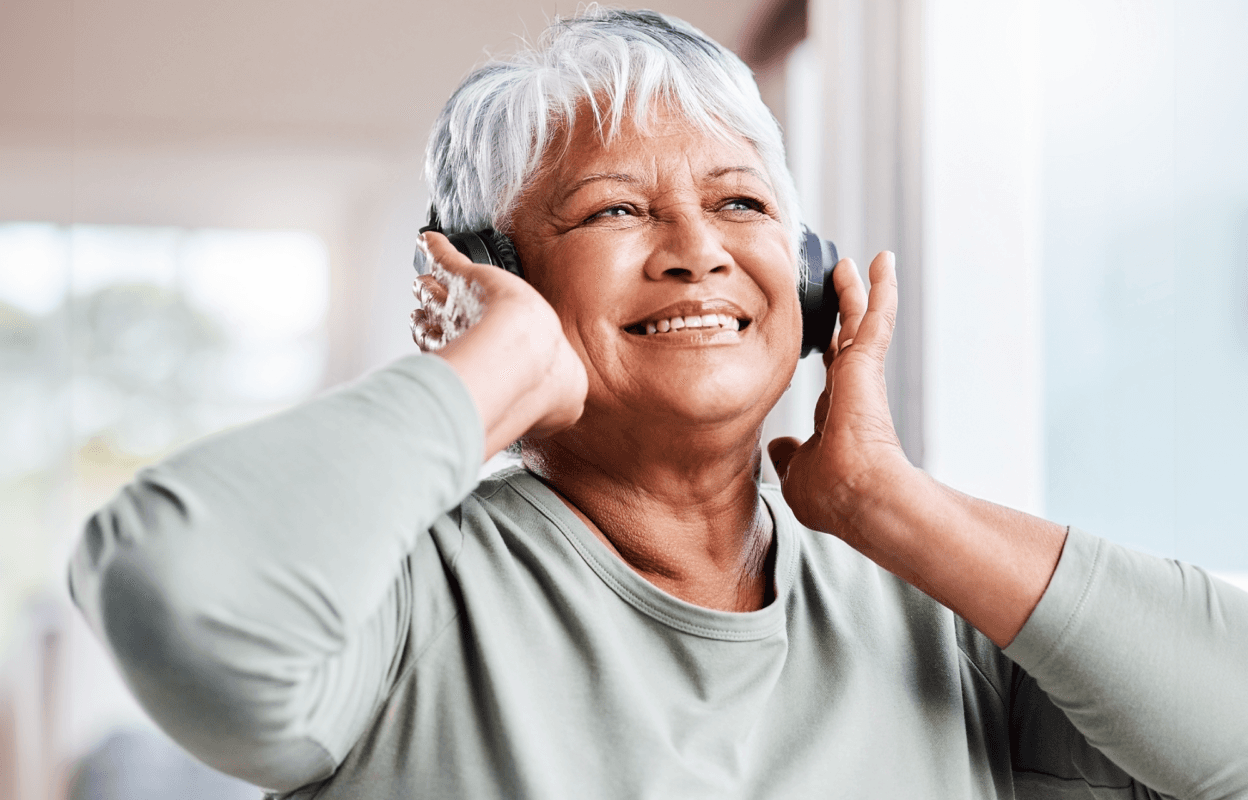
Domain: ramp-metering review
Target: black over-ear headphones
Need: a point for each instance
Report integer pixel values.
(819, 307)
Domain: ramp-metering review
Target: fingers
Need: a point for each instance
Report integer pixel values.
(451, 296)
(439, 250)
(781, 452)
(852, 297)
(426, 332)
(822, 405)
(866, 317)
(875, 329)
(428, 290)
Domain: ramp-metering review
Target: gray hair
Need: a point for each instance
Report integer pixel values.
(494, 132)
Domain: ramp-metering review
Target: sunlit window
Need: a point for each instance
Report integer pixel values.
(120, 343)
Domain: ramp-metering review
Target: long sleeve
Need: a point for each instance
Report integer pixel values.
(253, 588)
(1148, 659)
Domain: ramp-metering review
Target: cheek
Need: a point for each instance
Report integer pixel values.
(582, 281)
(580, 291)
(779, 283)
(786, 335)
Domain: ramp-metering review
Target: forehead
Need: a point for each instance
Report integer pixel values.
(647, 150)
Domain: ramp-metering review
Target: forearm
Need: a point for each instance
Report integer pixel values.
(1148, 658)
(507, 372)
(988, 563)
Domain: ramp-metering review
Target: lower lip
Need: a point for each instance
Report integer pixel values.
(691, 336)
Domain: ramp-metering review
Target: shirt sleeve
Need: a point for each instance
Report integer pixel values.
(253, 588)
(1147, 658)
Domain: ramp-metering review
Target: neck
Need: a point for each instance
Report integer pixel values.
(682, 513)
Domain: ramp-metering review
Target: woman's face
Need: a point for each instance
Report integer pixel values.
(666, 260)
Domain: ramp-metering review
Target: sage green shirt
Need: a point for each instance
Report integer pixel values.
(327, 604)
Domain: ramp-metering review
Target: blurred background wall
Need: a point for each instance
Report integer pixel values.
(208, 211)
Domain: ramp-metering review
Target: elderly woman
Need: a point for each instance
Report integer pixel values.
(327, 603)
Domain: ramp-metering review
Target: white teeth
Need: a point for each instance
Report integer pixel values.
(725, 321)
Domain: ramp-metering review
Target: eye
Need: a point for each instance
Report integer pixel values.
(611, 211)
(744, 204)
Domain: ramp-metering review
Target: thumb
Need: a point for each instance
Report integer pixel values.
(781, 452)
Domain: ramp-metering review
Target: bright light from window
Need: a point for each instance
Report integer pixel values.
(264, 286)
(144, 337)
(105, 255)
(34, 266)
(120, 343)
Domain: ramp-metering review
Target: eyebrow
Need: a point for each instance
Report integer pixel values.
(616, 177)
(722, 171)
(624, 177)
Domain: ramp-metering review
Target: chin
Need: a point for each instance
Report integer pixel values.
(724, 396)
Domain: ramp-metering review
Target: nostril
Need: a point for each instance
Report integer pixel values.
(678, 272)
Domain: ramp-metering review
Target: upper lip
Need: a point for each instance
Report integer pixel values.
(689, 308)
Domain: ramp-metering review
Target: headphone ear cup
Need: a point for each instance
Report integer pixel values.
(471, 244)
(816, 294)
(488, 246)
(504, 251)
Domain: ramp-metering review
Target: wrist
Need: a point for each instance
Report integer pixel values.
(506, 366)
(988, 563)
(884, 509)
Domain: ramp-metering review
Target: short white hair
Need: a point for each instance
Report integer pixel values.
(494, 132)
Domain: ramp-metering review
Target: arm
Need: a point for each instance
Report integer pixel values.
(1162, 640)
(853, 479)
(1147, 658)
(254, 589)
(251, 588)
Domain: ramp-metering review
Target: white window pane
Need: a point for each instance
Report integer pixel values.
(1146, 197)
(34, 266)
(263, 285)
(105, 255)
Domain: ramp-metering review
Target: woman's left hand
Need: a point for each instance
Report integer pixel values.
(852, 479)
(854, 448)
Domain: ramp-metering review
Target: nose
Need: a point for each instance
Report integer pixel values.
(689, 248)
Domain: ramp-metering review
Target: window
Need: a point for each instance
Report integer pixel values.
(120, 343)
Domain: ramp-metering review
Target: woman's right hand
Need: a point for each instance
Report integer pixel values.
(512, 354)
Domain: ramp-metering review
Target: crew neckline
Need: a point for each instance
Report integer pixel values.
(651, 600)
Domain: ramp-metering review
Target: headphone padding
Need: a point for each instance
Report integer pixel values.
(817, 297)
(472, 245)
(508, 258)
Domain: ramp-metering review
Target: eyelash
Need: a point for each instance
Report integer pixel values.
(749, 203)
(604, 215)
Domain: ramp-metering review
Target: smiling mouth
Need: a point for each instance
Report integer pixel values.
(700, 322)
